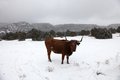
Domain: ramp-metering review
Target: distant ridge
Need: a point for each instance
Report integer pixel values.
(25, 26)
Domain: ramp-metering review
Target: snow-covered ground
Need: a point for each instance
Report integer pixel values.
(95, 59)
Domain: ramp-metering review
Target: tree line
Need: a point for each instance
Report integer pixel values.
(37, 35)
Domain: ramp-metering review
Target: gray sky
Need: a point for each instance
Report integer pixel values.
(101, 12)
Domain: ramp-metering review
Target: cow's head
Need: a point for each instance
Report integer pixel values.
(78, 42)
(73, 44)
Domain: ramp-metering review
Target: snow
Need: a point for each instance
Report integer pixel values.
(95, 59)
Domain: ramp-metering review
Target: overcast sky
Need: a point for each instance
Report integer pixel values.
(101, 12)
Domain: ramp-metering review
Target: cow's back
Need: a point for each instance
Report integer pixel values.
(55, 45)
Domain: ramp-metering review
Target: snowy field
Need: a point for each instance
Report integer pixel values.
(94, 59)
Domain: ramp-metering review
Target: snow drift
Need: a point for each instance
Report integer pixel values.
(94, 59)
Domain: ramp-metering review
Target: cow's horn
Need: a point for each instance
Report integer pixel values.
(65, 38)
(81, 39)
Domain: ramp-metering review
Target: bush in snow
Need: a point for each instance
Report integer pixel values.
(17, 35)
(22, 76)
(34, 34)
(107, 62)
(50, 69)
(101, 33)
(112, 30)
(118, 29)
(84, 32)
(10, 36)
(0, 39)
(21, 36)
(76, 64)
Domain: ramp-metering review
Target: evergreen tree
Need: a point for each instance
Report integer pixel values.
(101, 33)
(118, 29)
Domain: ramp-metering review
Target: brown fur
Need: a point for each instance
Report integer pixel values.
(63, 47)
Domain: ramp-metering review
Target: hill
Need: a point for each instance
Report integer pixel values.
(25, 26)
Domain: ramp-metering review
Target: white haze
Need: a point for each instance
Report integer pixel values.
(101, 12)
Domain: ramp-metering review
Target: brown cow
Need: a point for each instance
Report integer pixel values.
(63, 47)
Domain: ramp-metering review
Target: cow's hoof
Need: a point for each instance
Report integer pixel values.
(50, 61)
(68, 63)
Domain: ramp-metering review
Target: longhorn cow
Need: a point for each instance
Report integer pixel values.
(64, 47)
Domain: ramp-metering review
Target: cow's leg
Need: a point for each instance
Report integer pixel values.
(67, 59)
(63, 55)
(49, 53)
